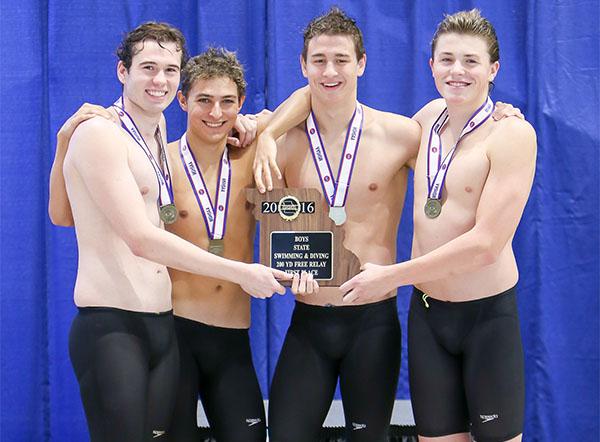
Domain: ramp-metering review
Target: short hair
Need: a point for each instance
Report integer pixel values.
(159, 32)
(334, 22)
(213, 63)
(470, 23)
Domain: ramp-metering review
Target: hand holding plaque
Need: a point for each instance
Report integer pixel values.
(296, 234)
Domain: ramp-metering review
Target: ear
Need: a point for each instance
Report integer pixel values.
(494, 70)
(362, 64)
(241, 102)
(431, 65)
(182, 100)
(303, 66)
(122, 72)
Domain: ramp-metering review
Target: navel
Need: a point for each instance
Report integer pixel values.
(218, 287)
(373, 187)
(183, 213)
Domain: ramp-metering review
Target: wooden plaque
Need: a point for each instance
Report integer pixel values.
(297, 234)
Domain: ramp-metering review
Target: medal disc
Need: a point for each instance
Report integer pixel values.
(433, 208)
(168, 213)
(216, 247)
(338, 215)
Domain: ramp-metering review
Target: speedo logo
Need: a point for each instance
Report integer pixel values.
(487, 417)
(253, 421)
(356, 426)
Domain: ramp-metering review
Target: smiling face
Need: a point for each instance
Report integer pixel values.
(212, 105)
(462, 69)
(152, 80)
(331, 67)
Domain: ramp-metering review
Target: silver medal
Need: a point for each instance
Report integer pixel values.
(168, 213)
(216, 246)
(338, 215)
(433, 208)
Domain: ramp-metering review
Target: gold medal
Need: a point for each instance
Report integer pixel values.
(216, 246)
(433, 208)
(168, 213)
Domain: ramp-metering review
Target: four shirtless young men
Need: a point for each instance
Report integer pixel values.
(465, 353)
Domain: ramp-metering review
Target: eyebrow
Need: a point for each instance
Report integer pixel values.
(465, 55)
(338, 55)
(153, 63)
(213, 96)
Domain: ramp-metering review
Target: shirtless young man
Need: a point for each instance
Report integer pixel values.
(465, 351)
(122, 342)
(327, 340)
(212, 316)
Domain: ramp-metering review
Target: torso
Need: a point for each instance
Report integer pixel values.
(377, 190)
(464, 184)
(109, 274)
(208, 300)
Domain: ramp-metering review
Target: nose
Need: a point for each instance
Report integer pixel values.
(330, 70)
(160, 77)
(216, 111)
(457, 67)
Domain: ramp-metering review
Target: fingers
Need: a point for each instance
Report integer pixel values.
(350, 297)
(268, 178)
(281, 275)
(233, 141)
(246, 128)
(275, 168)
(295, 284)
(260, 185)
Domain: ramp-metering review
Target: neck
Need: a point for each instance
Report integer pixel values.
(332, 119)
(459, 114)
(207, 154)
(145, 122)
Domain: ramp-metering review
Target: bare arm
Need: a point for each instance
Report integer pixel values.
(289, 114)
(98, 156)
(503, 199)
(59, 207)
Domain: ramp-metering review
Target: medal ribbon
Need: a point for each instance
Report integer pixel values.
(215, 217)
(436, 168)
(335, 191)
(165, 187)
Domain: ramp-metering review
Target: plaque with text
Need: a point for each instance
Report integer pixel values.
(297, 234)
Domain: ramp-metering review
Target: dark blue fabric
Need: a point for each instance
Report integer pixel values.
(55, 55)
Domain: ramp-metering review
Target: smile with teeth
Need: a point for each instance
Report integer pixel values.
(213, 124)
(333, 84)
(458, 83)
(156, 93)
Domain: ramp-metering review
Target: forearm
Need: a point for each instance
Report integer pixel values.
(463, 254)
(293, 111)
(59, 207)
(165, 248)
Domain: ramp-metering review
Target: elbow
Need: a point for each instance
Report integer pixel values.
(138, 241)
(487, 252)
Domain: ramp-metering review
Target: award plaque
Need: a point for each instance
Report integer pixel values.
(296, 234)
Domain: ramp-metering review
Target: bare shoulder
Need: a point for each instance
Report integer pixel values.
(396, 129)
(430, 112)
(95, 139)
(513, 135)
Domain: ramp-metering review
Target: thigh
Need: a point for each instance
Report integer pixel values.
(369, 377)
(163, 388)
(494, 380)
(112, 370)
(231, 396)
(184, 424)
(435, 375)
(301, 392)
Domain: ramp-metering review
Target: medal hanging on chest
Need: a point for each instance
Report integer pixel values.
(438, 168)
(336, 191)
(215, 216)
(166, 205)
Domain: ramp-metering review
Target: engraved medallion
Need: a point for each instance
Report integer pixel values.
(168, 213)
(433, 208)
(216, 246)
(337, 215)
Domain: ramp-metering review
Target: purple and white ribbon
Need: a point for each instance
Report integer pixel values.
(436, 168)
(336, 191)
(165, 187)
(215, 217)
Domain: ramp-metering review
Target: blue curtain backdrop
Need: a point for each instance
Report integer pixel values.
(55, 55)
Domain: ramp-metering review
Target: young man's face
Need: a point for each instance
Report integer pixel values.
(153, 78)
(461, 68)
(212, 105)
(331, 67)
